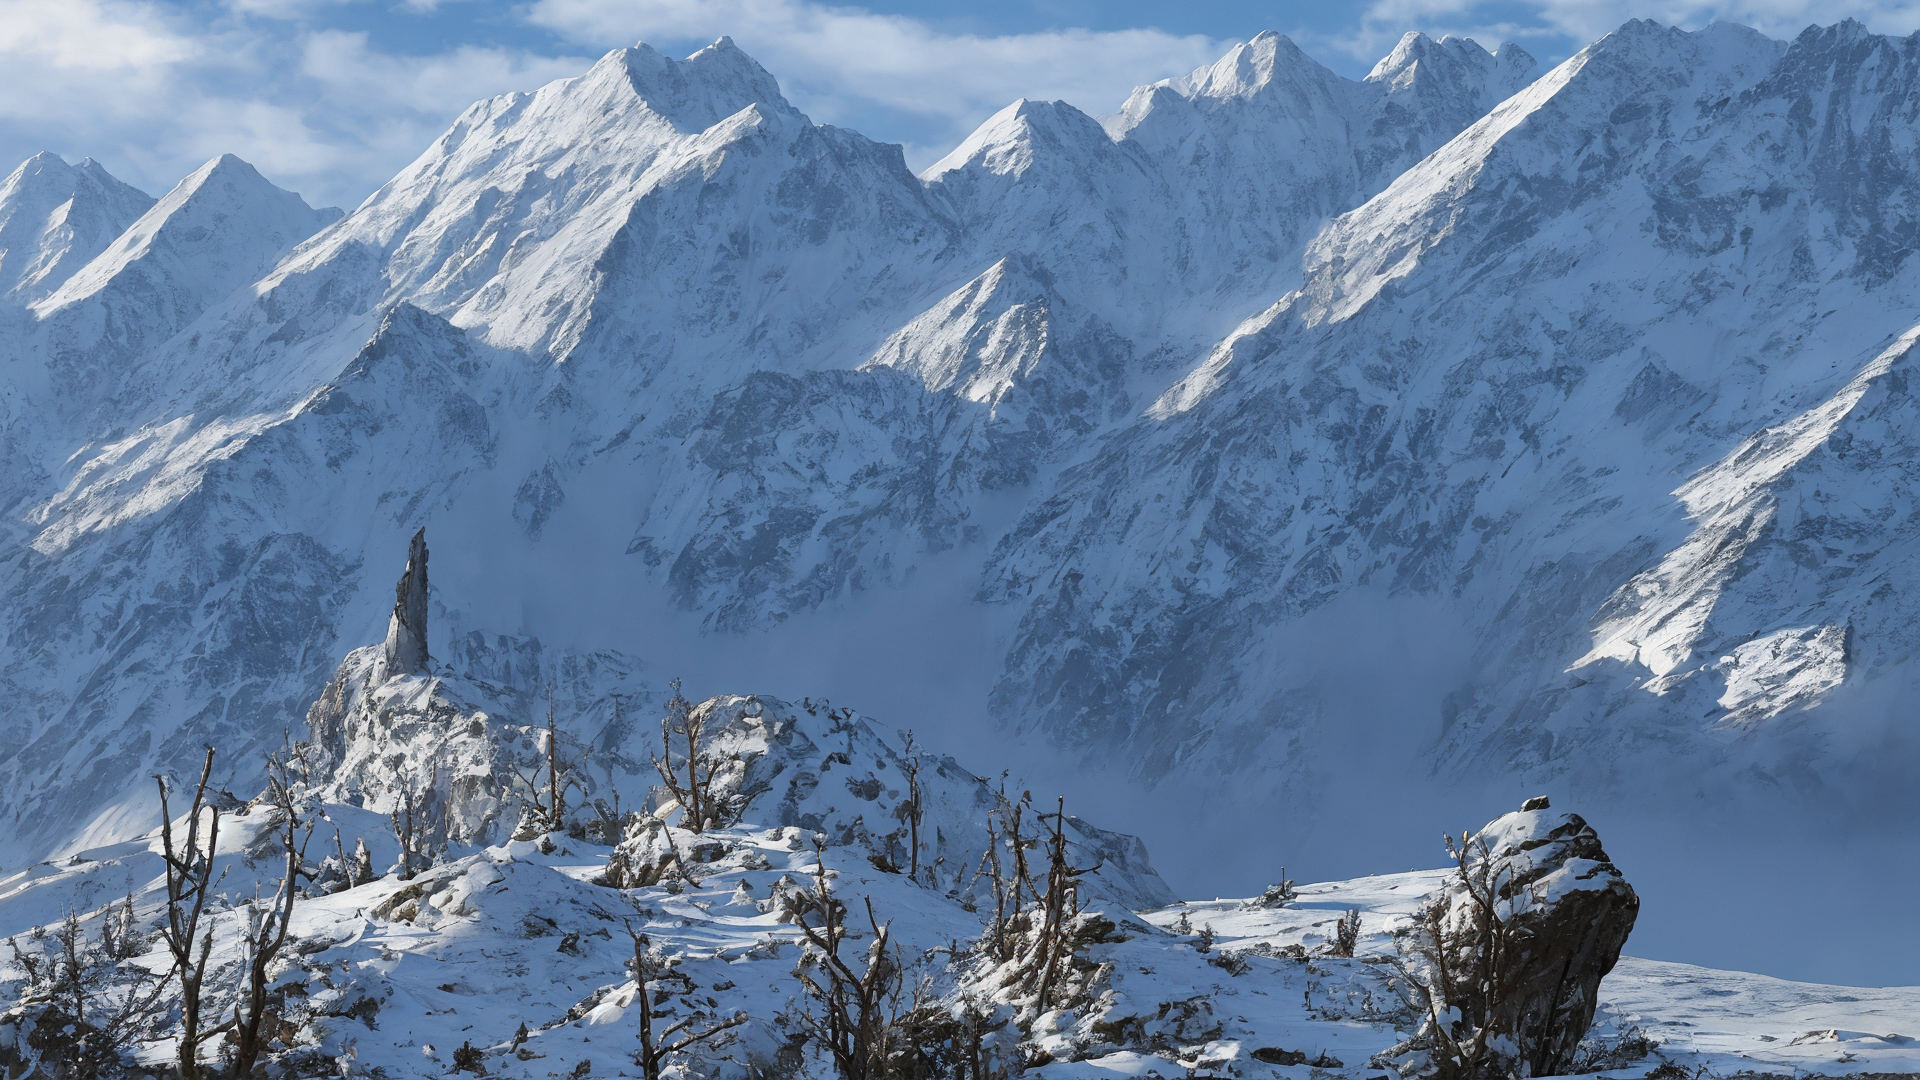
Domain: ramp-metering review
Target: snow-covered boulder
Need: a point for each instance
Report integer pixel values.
(1505, 961)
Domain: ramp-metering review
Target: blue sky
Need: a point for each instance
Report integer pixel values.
(331, 97)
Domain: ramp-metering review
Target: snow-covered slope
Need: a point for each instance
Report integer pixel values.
(1281, 435)
(1492, 381)
(517, 956)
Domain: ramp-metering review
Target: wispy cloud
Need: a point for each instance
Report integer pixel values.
(1563, 26)
(891, 76)
(153, 92)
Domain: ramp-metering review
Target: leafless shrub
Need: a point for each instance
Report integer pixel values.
(1230, 962)
(680, 1035)
(548, 814)
(189, 866)
(1346, 935)
(83, 1008)
(1032, 948)
(1630, 1046)
(701, 808)
(875, 1022)
(470, 1058)
(859, 1006)
(1277, 895)
(648, 856)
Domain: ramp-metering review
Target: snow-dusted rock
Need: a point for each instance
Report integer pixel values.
(464, 754)
(1511, 950)
(405, 650)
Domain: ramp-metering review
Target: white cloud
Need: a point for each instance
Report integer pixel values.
(893, 76)
(152, 93)
(1562, 26)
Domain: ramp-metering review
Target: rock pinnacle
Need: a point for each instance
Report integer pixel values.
(406, 650)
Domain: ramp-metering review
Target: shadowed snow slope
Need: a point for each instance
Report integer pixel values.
(1281, 444)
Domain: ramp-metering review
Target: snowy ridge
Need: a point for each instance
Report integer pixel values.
(519, 950)
(470, 752)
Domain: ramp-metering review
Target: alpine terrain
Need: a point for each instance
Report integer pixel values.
(1285, 467)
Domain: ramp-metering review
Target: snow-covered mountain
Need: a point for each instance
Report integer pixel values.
(54, 218)
(1311, 434)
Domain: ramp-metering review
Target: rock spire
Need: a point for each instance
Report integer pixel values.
(406, 650)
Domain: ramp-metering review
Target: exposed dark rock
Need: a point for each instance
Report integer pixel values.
(1505, 962)
(406, 651)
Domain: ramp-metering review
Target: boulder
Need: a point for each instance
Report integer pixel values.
(1504, 963)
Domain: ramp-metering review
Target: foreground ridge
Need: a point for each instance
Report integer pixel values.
(515, 952)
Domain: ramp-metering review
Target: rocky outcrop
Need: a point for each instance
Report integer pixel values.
(815, 770)
(1504, 964)
(406, 649)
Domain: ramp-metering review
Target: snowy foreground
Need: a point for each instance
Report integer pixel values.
(517, 950)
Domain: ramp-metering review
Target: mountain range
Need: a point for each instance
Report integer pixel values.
(1279, 440)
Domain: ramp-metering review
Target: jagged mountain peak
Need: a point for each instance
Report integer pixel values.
(54, 217)
(707, 87)
(224, 219)
(1269, 73)
(1009, 141)
(980, 340)
(1417, 62)
(1269, 60)
(521, 196)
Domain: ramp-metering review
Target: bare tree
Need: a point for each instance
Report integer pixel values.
(548, 814)
(413, 823)
(1031, 947)
(346, 868)
(266, 926)
(406, 830)
(189, 866)
(556, 795)
(875, 1026)
(913, 809)
(859, 1005)
(700, 809)
(1463, 972)
(655, 1049)
(1008, 877)
(1060, 904)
